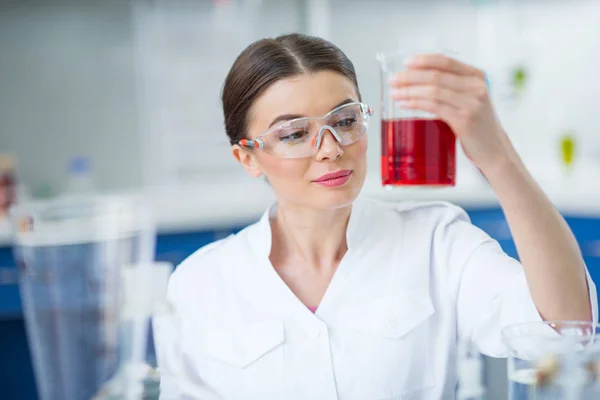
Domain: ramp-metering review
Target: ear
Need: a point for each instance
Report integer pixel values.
(247, 159)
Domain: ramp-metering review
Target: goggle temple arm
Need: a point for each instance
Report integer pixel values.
(250, 143)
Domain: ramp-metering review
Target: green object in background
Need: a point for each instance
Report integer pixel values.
(519, 79)
(567, 146)
(44, 191)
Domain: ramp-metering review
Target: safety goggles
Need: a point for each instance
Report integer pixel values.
(302, 137)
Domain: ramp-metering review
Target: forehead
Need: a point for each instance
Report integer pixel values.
(313, 94)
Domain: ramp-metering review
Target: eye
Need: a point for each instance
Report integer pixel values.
(295, 136)
(346, 122)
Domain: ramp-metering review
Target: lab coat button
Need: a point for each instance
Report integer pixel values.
(314, 333)
(392, 321)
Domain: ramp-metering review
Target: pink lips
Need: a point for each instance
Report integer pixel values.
(334, 179)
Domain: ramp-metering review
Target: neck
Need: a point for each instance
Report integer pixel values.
(314, 237)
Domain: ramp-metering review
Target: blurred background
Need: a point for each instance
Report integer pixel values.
(123, 95)
(133, 86)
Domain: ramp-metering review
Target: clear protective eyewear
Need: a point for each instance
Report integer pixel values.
(302, 137)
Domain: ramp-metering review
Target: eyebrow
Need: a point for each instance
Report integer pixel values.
(287, 117)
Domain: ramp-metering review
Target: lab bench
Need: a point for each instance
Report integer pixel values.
(16, 372)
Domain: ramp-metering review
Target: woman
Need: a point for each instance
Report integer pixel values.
(330, 297)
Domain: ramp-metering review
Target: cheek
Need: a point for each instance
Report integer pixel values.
(358, 149)
(286, 168)
(364, 144)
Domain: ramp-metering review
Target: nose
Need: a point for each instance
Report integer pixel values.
(328, 144)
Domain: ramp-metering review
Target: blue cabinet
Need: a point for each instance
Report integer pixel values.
(492, 222)
(176, 247)
(585, 229)
(10, 302)
(587, 232)
(16, 371)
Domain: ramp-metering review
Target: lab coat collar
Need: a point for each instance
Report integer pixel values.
(382, 264)
(262, 242)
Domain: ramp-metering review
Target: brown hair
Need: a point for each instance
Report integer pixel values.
(268, 60)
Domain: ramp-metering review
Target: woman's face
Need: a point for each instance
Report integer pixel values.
(298, 181)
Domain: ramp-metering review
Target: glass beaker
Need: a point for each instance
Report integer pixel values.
(417, 147)
(69, 253)
(553, 360)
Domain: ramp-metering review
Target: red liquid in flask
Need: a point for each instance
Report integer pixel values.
(417, 152)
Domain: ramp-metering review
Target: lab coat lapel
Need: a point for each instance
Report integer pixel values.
(388, 290)
(261, 289)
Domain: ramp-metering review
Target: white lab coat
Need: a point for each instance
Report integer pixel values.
(415, 279)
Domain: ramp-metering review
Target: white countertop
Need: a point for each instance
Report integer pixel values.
(234, 202)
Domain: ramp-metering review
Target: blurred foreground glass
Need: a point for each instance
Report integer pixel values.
(144, 307)
(553, 360)
(470, 372)
(70, 254)
(417, 148)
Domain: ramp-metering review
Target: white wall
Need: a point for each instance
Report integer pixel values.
(67, 88)
(70, 80)
(564, 53)
(69, 77)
